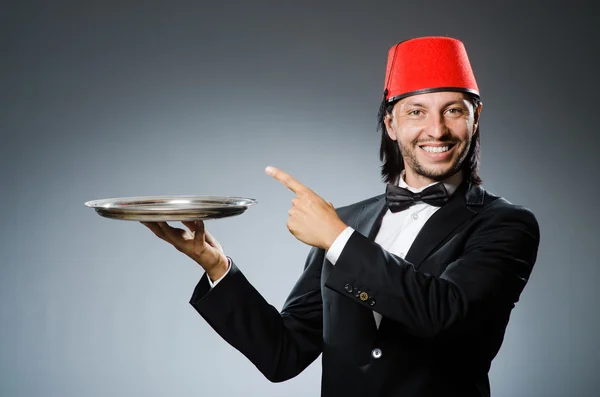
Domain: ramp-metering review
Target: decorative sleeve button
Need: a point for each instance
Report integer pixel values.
(363, 296)
(376, 353)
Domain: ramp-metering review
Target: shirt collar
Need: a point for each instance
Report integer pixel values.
(451, 183)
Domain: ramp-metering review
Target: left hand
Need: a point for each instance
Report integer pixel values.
(312, 220)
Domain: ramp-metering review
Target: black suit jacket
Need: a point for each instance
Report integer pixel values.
(445, 306)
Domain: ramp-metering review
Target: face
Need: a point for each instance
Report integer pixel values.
(434, 134)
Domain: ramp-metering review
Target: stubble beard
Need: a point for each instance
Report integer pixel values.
(410, 159)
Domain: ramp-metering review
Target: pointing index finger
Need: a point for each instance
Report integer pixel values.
(286, 179)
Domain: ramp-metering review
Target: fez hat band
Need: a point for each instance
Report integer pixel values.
(429, 90)
(428, 64)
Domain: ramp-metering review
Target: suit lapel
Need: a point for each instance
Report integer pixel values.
(444, 221)
(369, 218)
(463, 205)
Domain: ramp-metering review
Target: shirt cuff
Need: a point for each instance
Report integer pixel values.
(334, 252)
(217, 281)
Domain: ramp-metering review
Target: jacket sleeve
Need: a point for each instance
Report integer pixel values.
(491, 272)
(280, 345)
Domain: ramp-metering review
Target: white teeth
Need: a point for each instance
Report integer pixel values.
(436, 149)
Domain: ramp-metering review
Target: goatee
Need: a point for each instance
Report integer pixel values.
(410, 159)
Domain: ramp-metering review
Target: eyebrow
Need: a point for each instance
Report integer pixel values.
(418, 104)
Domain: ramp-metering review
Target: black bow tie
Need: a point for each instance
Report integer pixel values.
(399, 198)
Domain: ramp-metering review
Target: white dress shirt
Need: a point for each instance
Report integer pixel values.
(398, 230)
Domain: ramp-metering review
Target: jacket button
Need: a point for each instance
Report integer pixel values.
(348, 288)
(376, 353)
(371, 302)
(363, 296)
(357, 292)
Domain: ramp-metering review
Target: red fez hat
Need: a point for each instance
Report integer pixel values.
(428, 64)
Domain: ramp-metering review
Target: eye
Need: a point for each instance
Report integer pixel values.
(455, 111)
(415, 112)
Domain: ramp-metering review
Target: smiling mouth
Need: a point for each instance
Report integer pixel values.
(437, 149)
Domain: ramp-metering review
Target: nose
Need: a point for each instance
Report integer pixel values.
(437, 128)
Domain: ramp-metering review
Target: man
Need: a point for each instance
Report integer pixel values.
(405, 294)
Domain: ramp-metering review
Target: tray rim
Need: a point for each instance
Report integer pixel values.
(214, 211)
(99, 203)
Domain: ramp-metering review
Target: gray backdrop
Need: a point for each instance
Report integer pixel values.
(113, 98)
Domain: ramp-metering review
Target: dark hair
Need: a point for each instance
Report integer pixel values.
(393, 164)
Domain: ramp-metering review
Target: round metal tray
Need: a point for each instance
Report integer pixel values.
(171, 208)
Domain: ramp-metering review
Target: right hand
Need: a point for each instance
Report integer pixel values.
(196, 243)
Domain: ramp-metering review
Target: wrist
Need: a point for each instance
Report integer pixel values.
(335, 233)
(216, 272)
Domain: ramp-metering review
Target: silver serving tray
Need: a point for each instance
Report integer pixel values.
(170, 208)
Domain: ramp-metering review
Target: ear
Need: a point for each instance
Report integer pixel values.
(389, 127)
(476, 116)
